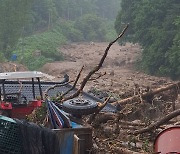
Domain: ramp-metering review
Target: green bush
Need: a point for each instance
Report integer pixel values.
(47, 43)
(34, 63)
(87, 28)
(2, 58)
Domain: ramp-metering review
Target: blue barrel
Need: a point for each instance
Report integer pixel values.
(14, 57)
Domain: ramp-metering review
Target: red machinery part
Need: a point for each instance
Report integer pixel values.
(35, 103)
(168, 141)
(5, 106)
(22, 111)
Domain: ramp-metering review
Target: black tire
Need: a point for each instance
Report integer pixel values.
(79, 106)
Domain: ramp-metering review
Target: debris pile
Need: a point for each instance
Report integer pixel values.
(142, 111)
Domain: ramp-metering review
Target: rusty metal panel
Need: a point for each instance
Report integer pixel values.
(168, 141)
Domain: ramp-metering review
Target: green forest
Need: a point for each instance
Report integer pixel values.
(155, 25)
(28, 26)
(44, 25)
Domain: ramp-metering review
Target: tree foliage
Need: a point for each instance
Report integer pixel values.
(43, 15)
(155, 25)
(13, 17)
(91, 27)
(30, 25)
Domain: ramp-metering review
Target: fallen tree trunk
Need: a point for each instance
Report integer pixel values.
(146, 95)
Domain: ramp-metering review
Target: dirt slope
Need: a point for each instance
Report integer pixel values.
(11, 67)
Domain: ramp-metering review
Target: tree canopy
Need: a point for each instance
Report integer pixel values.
(155, 26)
(30, 25)
(13, 17)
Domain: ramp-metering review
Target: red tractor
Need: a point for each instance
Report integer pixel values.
(19, 98)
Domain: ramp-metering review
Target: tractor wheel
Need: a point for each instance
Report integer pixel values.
(79, 106)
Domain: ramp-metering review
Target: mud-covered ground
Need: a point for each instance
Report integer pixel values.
(120, 81)
(121, 74)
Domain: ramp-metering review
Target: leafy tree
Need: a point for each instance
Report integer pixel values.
(73, 9)
(154, 25)
(91, 27)
(173, 55)
(43, 15)
(69, 31)
(13, 17)
(107, 9)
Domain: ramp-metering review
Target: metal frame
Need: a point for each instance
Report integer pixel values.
(15, 107)
(21, 75)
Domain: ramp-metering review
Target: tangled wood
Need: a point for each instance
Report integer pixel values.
(158, 123)
(147, 95)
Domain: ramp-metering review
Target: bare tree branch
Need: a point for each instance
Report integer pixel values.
(96, 68)
(78, 76)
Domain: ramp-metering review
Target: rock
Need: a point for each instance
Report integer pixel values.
(111, 72)
(112, 99)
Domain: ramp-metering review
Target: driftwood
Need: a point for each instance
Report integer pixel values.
(158, 123)
(128, 127)
(100, 107)
(95, 69)
(146, 95)
(104, 117)
(132, 123)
